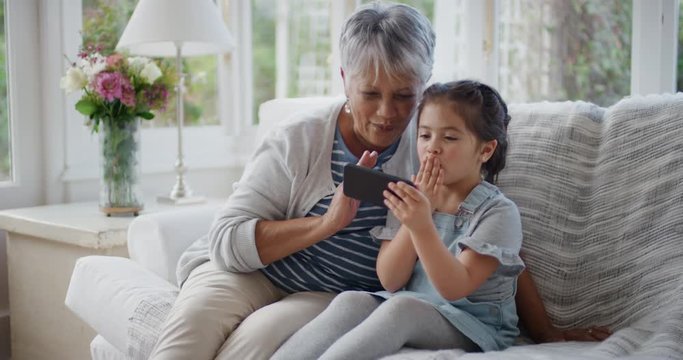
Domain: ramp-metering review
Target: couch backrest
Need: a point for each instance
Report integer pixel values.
(275, 111)
(600, 192)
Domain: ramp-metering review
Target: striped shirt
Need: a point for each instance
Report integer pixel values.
(345, 261)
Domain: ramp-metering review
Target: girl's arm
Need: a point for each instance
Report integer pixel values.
(533, 315)
(452, 277)
(396, 261)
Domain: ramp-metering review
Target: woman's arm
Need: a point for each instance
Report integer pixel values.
(533, 315)
(252, 230)
(396, 261)
(278, 239)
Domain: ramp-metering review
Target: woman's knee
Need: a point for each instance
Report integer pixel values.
(221, 298)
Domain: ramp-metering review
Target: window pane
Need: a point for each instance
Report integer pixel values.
(263, 14)
(103, 23)
(5, 145)
(306, 69)
(679, 68)
(425, 6)
(306, 60)
(565, 50)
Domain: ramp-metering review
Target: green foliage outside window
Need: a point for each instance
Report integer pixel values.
(597, 35)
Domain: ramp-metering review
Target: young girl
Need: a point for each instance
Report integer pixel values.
(450, 270)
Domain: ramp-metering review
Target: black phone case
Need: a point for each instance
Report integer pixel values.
(366, 184)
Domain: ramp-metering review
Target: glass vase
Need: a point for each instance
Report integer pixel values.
(120, 167)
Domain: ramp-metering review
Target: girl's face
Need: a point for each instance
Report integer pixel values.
(443, 134)
(381, 108)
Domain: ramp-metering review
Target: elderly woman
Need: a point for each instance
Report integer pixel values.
(288, 238)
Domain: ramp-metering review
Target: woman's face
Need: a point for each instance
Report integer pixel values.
(381, 107)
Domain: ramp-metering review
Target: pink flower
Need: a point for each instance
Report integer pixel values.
(108, 85)
(156, 96)
(127, 93)
(113, 60)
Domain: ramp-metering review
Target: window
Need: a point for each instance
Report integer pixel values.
(99, 23)
(292, 51)
(103, 23)
(5, 145)
(565, 50)
(544, 49)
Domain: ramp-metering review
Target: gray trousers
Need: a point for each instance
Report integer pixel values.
(357, 325)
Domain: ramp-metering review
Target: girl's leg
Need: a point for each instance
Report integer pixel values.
(347, 310)
(399, 321)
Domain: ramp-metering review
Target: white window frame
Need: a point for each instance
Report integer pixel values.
(24, 99)
(655, 33)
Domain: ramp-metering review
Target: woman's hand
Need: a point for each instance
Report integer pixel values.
(409, 205)
(429, 180)
(343, 209)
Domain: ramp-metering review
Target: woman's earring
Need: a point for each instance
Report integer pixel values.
(347, 108)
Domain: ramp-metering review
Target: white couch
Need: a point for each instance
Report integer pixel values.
(601, 197)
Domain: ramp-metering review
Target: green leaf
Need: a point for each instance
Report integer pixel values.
(146, 115)
(86, 107)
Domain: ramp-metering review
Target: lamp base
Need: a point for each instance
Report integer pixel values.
(187, 200)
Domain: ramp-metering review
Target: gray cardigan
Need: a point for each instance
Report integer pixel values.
(287, 175)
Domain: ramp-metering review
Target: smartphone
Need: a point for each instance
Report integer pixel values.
(367, 184)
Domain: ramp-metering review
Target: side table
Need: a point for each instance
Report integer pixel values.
(43, 244)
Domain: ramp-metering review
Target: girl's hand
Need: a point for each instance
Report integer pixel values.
(342, 209)
(429, 180)
(409, 205)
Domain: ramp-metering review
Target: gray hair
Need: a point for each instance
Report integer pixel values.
(396, 37)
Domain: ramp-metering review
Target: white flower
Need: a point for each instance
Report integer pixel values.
(150, 72)
(138, 63)
(75, 79)
(92, 65)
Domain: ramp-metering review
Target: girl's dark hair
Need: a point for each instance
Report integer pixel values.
(484, 112)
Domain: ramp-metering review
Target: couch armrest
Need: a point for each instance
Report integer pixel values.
(157, 240)
(120, 300)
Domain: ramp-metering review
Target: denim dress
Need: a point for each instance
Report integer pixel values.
(489, 224)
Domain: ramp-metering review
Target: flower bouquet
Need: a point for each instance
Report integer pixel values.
(117, 92)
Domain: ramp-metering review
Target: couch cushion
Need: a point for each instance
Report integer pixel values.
(100, 349)
(602, 212)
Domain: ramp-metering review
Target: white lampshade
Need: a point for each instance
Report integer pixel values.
(157, 26)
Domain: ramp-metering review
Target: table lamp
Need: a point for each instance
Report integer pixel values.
(176, 28)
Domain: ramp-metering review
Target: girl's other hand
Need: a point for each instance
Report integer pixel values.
(429, 180)
(409, 205)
